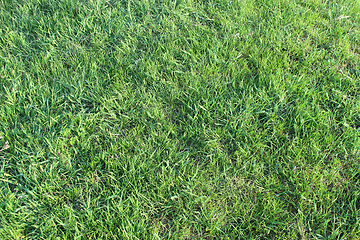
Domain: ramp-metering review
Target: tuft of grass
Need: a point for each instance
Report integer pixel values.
(179, 119)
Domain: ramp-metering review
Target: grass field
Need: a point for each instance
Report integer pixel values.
(179, 119)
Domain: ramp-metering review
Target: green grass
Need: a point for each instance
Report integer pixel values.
(180, 119)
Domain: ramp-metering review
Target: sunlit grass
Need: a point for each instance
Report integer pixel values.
(190, 119)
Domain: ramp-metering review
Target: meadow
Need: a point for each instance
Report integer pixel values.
(179, 119)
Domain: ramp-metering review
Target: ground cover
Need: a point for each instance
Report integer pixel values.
(182, 119)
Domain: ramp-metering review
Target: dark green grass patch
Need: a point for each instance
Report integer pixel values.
(184, 119)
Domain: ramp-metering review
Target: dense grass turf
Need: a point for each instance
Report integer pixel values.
(180, 119)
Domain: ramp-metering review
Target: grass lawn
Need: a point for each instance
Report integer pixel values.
(179, 119)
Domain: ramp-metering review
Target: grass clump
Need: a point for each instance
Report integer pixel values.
(179, 119)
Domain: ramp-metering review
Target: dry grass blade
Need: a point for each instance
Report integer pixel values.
(6, 146)
(341, 17)
(109, 4)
